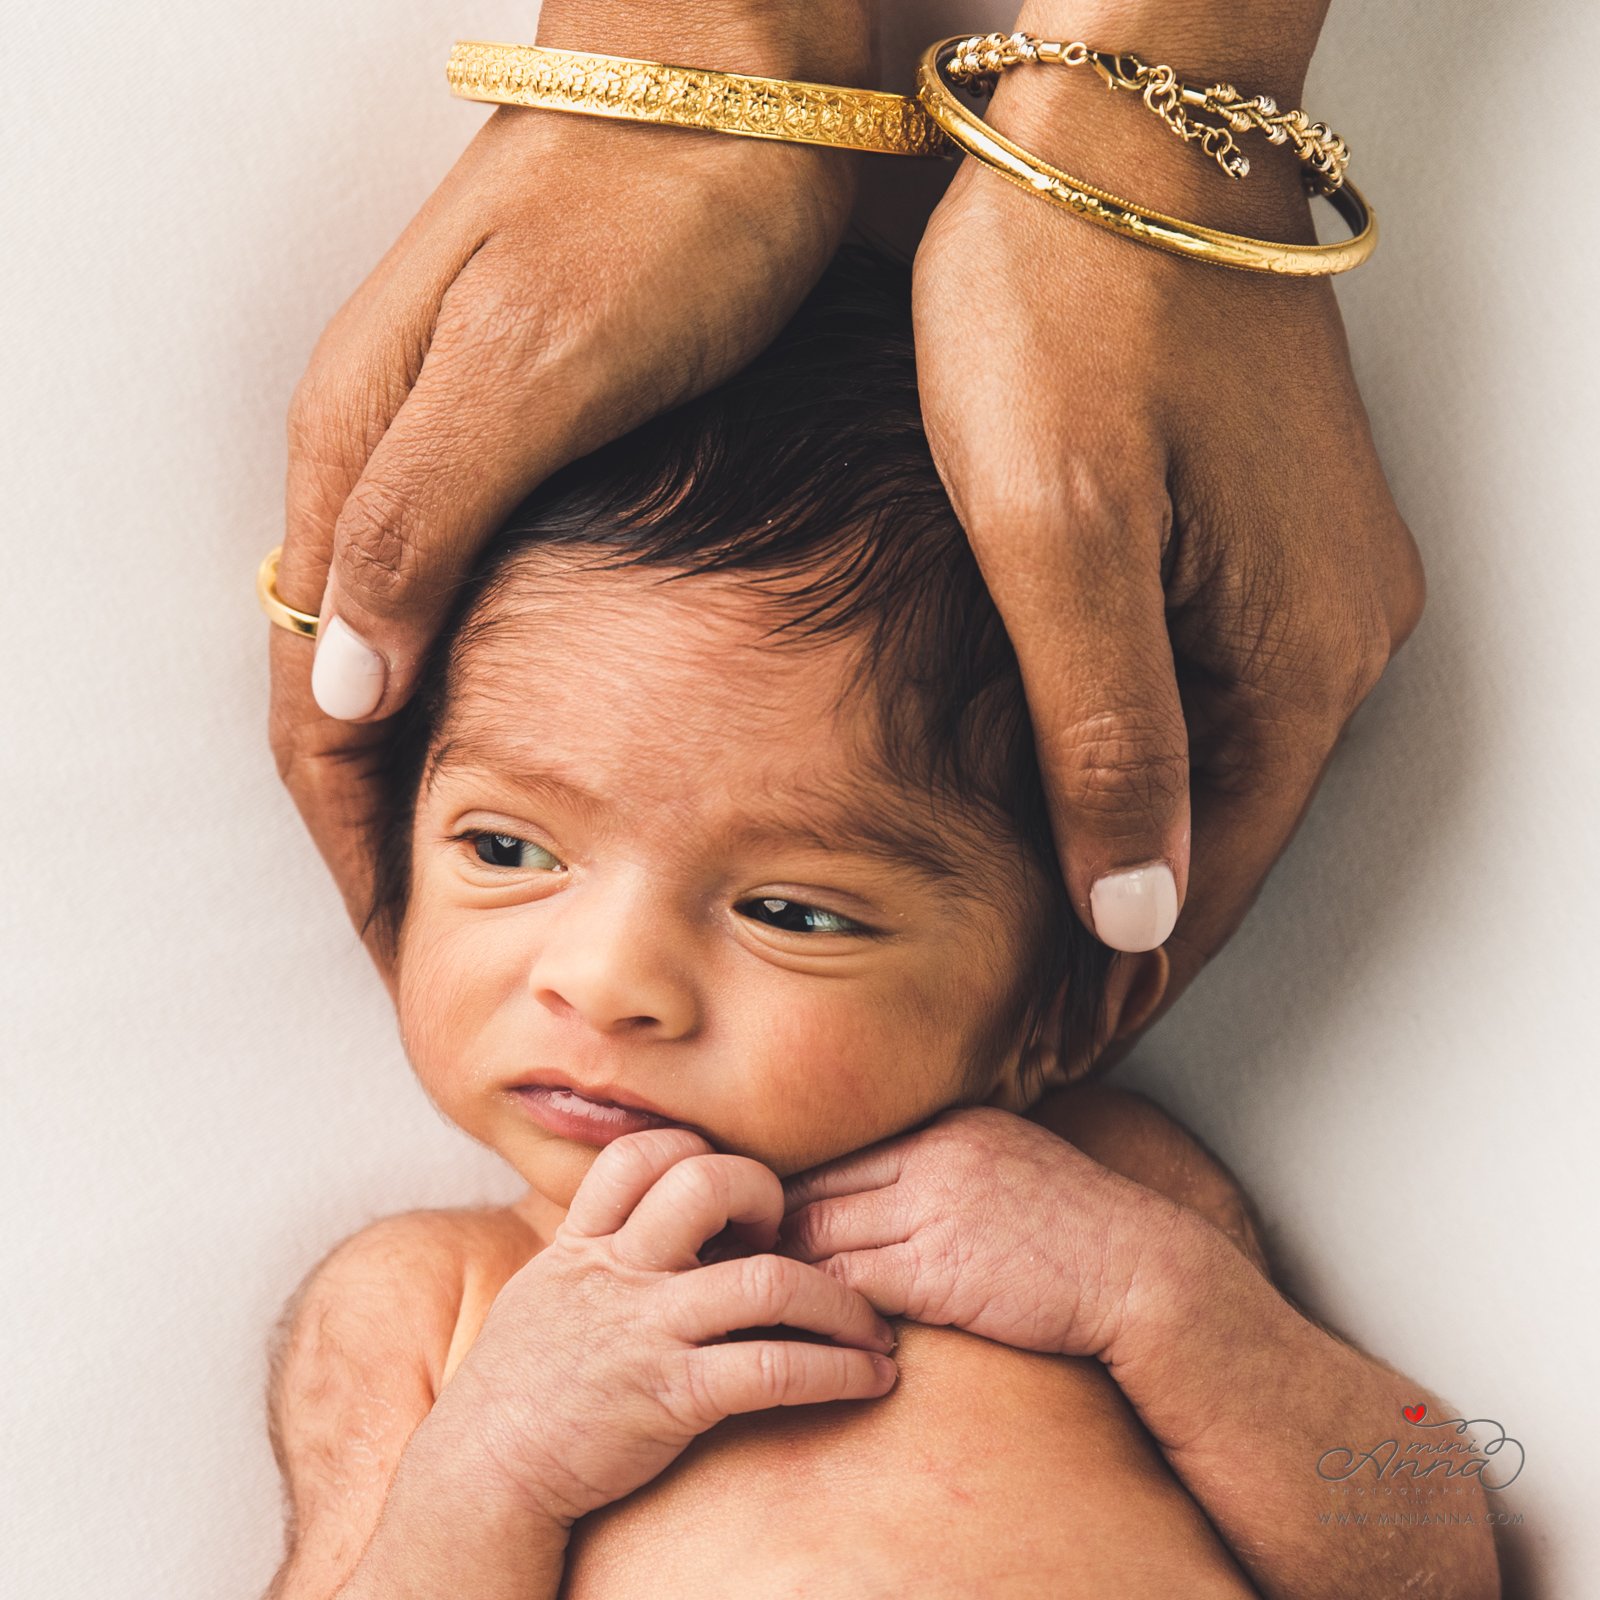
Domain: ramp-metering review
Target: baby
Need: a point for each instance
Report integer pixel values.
(723, 904)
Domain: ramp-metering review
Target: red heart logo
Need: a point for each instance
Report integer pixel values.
(1416, 1413)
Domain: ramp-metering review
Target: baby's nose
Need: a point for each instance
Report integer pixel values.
(617, 972)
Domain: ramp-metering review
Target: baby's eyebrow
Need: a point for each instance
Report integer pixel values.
(466, 753)
(835, 823)
(883, 837)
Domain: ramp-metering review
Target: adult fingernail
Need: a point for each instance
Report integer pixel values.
(1135, 910)
(347, 675)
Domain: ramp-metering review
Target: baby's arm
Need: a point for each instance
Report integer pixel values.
(349, 1384)
(1245, 1395)
(601, 1360)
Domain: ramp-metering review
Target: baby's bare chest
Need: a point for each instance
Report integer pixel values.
(919, 1487)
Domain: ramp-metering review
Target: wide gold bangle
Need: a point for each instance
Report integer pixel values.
(279, 612)
(693, 97)
(1325, 176)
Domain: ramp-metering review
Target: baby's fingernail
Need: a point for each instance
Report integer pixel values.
(347, 675)
(1135, 910)
(885, 1335)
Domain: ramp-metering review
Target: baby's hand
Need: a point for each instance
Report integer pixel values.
(985, 1221)
(600, 1360)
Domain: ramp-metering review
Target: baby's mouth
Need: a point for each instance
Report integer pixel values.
(589, 1118)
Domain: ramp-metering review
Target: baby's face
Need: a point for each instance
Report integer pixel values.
(654, 860)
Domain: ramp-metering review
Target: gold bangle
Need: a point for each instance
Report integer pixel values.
(279, 613)
(692, 97)
(968, 130)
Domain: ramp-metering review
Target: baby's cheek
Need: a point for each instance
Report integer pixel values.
(439, 999)
(811, 1083)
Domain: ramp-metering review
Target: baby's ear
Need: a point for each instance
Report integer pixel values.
(1134, 987)
(1039, 1066)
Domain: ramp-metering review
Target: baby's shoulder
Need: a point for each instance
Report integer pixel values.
(397, 1287)
(356, 1362)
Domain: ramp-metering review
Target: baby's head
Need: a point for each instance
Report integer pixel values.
(719, 793)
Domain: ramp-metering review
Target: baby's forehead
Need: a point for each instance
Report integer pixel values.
(617, 687)
(656, 654)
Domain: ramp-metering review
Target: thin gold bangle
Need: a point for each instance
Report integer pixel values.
(693, 97)
(968, 130)
(279, 613)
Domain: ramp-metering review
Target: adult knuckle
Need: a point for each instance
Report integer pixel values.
(1408, 588)
(376, 555)
(1114, 763)
(1024, 507)
(1371, 656)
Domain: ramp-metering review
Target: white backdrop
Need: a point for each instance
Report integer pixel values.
(202, 1088)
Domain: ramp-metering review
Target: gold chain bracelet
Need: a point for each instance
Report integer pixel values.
(977, 62)
(694, 97)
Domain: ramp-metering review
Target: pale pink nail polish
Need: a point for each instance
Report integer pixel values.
(347, 675)
(1135, 910)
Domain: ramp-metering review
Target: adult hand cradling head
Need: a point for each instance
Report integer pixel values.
(1202, 573)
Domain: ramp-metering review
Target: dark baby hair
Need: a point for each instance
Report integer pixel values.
(810, 472)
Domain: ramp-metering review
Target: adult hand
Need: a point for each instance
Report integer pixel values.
(569, 278)
(1167, 476)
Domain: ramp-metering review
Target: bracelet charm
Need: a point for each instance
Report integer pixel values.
(976, 63)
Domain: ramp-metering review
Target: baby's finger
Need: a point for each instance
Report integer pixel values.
(872, 1168)
(763, 1291)
(692, 1201)
(887, 1277)
(723, 1380)
(622, 1174)
(869, 1221)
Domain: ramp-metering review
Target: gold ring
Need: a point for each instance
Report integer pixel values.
(280, 614)
(968, 130)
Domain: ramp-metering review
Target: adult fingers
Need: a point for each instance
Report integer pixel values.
(622, 1174)
(723, 1380)
(697, 1198)
(1076, 575)
(330, 769)
(364, 367)
(460, 452)
(1266, 706)
(1252, 788)
(763, 1291)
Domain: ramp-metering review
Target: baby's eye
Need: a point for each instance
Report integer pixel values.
(794, 916)
(506, 850)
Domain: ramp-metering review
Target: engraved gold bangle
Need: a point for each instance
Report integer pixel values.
(279, 613)
(693, 97)
(968, 130)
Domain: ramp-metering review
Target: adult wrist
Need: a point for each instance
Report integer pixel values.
(818, 41)
(1069, 118)
(1261, 46)
(1195, 1300)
